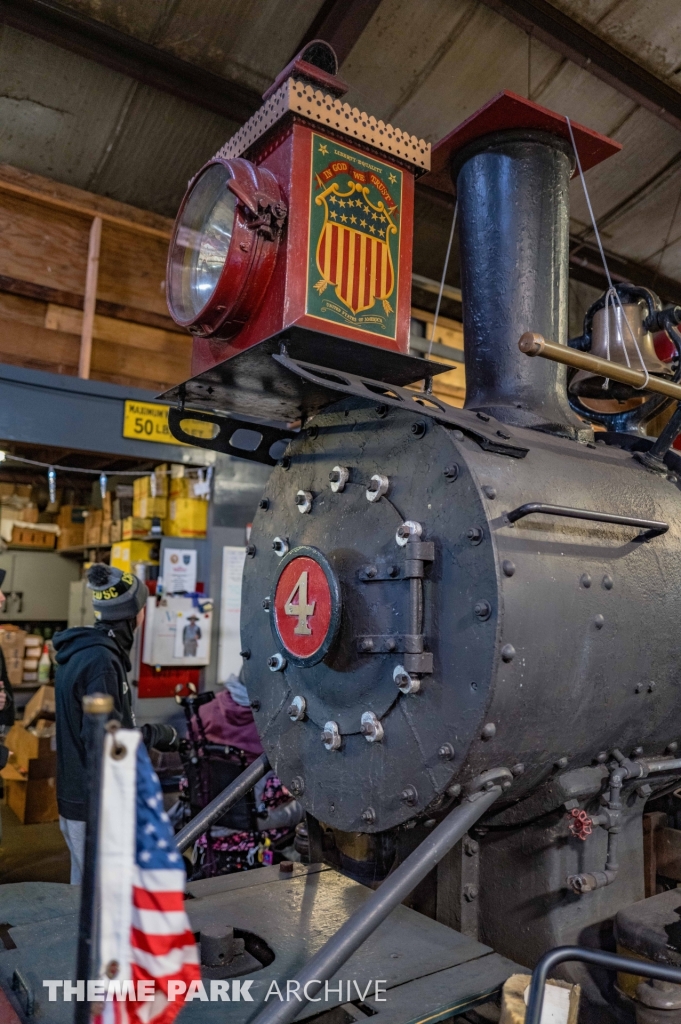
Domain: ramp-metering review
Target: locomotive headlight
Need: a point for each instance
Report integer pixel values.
(224, 247)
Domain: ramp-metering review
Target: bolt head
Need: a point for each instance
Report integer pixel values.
(300, 499)
(490, 492)
(599, 622)
(266, 604)
(369, 816)
(371, 571)
(419, 428)
(409, 795)
(245, 654)
(255, 704)
(446, 752)
(452, 471)
(334, 476)
(483, 610)
(561, 763)
(475, 534)
(250, 550)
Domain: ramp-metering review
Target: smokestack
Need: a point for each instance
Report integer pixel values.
(510, 164)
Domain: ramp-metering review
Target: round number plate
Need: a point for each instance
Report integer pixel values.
(306, 606)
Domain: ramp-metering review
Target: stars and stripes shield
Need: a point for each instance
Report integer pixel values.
(354, 238)
(145, 939)
(359, 265)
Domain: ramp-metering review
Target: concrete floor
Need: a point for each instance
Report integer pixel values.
(31, 853)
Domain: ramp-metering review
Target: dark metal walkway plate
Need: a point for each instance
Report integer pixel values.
(252, 384)
(429, 970)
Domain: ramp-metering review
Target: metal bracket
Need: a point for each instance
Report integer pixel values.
(411, 568)
(390, 643)
(401, 398)
(241, 438)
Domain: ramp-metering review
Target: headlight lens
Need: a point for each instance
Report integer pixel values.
(201, 243)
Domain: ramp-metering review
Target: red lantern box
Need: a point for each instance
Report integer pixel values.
(312, 206)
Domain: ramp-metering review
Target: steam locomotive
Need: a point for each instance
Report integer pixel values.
(445, 604)
(434, 593)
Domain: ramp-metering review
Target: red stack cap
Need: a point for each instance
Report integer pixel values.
(508, 111)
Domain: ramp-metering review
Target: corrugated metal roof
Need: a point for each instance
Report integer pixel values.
(422, 66)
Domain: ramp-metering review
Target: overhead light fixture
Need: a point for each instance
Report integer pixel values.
(224, 246)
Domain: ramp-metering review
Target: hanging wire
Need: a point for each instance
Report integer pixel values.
(612, 295)
(442, 282)
(71, 469)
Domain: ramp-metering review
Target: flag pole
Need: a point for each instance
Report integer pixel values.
(97, 709)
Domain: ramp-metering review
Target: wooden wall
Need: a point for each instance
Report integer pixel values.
(44, 236)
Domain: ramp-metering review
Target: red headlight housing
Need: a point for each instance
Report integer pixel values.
(224, 247)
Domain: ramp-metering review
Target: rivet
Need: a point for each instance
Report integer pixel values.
(560, 763)
(452, 471)
(607, 582)
(409, 796)
(507, 652)
(371, 571)
(637, 751)
(491, 492)
(585, 580)
(599, 621)
(482, 416)
(297, 786)
(651, 687)
(489, 731)
(602, 757)
(502, 433)
(250, 550)
(483, 610)
(638, 688)
(446, 752)
(369, 816)
(671, 748)
(475, 534)
(245, 654)
(367, 644)
(470, 847)
(457, 435)
(508, 567)
(517, 769)
(264, 503)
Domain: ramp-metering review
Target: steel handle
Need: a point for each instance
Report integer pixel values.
(600, 958)
(533, 507)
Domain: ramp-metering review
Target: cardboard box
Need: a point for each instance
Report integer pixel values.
(70, 536)
(188, 517)
(30, 537)
(41, 705)
(135, 529)
(26, 748)
(29, 514)
(106, 532)
(92, 528)
(116, 533)
(127, 552)
(12, 642)
(6, 491)
(70, 515)
(33, 800)
(150, 508)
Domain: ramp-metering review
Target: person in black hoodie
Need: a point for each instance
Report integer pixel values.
(92, 660)
(7, 713)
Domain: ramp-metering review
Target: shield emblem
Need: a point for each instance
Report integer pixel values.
(353, 253)
(186, 559)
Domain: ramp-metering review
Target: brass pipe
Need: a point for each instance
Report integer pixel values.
(536, 345)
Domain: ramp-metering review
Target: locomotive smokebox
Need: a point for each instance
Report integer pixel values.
(510, 165)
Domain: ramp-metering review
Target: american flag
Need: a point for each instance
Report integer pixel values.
(144, 932)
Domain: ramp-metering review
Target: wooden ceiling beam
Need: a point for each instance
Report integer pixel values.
(130, 56)
(339, 23)
(591, 52)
